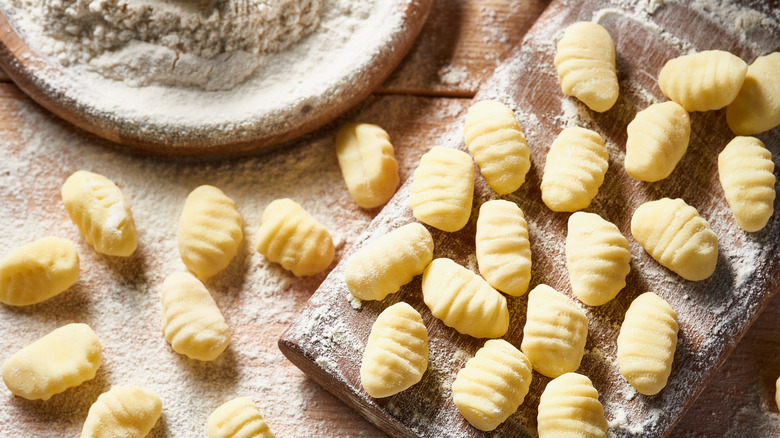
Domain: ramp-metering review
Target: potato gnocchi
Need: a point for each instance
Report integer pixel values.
(503, 248)
(657, 140)
(703, 81)
(746, 173)
(570, 407)
(238, 418)
(37, 271)
(123, 411)
(367, 161)
(757, 105)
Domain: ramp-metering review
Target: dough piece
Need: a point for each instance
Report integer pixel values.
(503, 248)
(703, 81)
(396, 355)
(293, 238)
(38, 271)
(96, 205)
(463, 300)
(442, 189)
(574, 171)
(598, 258)
(64, 358)
(238, 418)
(777, 393)
(646, 343)
(367, 161)
(757, 106)
(209, 231)
(499, 147)
(674, 234)
(492, 385)
(191, 320)
(123, 411)
(746, 172)
(570, 408)
(555, 332)
(384, 265)
(585, 61)
(657, 140)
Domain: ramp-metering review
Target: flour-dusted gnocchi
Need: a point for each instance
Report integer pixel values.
(191, 320)
(442, 189)
(384, 265)
(96, 205)
(209, 231)
(597, 257)
(367, 161)
(499, 147)
(646, 343)
(555, 332)
(757, 106)
(585, 61)
(574, 171)
(746, 173)
(703, 81)
(676, 237)
(492, 385)
(503, 248)
(123, 411)
(64, 358)
(396, 354)
(570, 408)
(292, 237)
(777, 393)
(38, 271)
(238, 418)
(463, 300)
(657, 140)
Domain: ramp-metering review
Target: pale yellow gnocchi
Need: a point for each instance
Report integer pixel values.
(757, 105)
(123, 411)
(503, 248)
(38, 271)
(657, 140)
(703, 81)
(238, 418)
(746, 173)
(570, 408)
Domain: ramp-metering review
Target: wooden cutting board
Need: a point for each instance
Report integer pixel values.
(328, 338)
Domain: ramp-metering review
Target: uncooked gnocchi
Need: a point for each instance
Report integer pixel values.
(703, 81)
(442, 189)
(384, 265)
(570, 408)
(367, 161)
(292, 237)
(123, 411)
(96, 205)
(64, 358)
(502, 246)
(657, 140)
(38, 271)
(209, 231)
(492, 385)
(757, 106)
(463, 300)
(555, 332)
(674, 234)
(238, 418)
(585, 61)
(746, 173)
(499, 147)
(396, 354)
(574, 171)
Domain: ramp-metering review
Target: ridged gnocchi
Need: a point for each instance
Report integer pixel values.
(503, 248)
(98, 208)
(757, 105)
(396, 354)
(492, 385)
(66, 357)
(191, 321)
(646, 343)
(657, 140)
(674, 234)
(496, 140)
(384, 265)
(585, 61)
(746, 173)
(37, 271)
(238, 418)
(575, 169)
(570, 407)
(703, 81)
(555, 332)
(597, 257)
(442, 189)
(209, 232)
(463, 300)
(123, 411)
(290, 236)
(367, 161)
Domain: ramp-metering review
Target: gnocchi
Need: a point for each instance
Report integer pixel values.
(657, 140)
(503, 248)
(703, 81)
(367, 161)
(757, 105)
(238, 418)
(746, 173)
(570, 407)
(123, 411)
(38, 271)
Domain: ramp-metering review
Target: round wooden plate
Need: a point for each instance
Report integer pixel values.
(153, 120)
